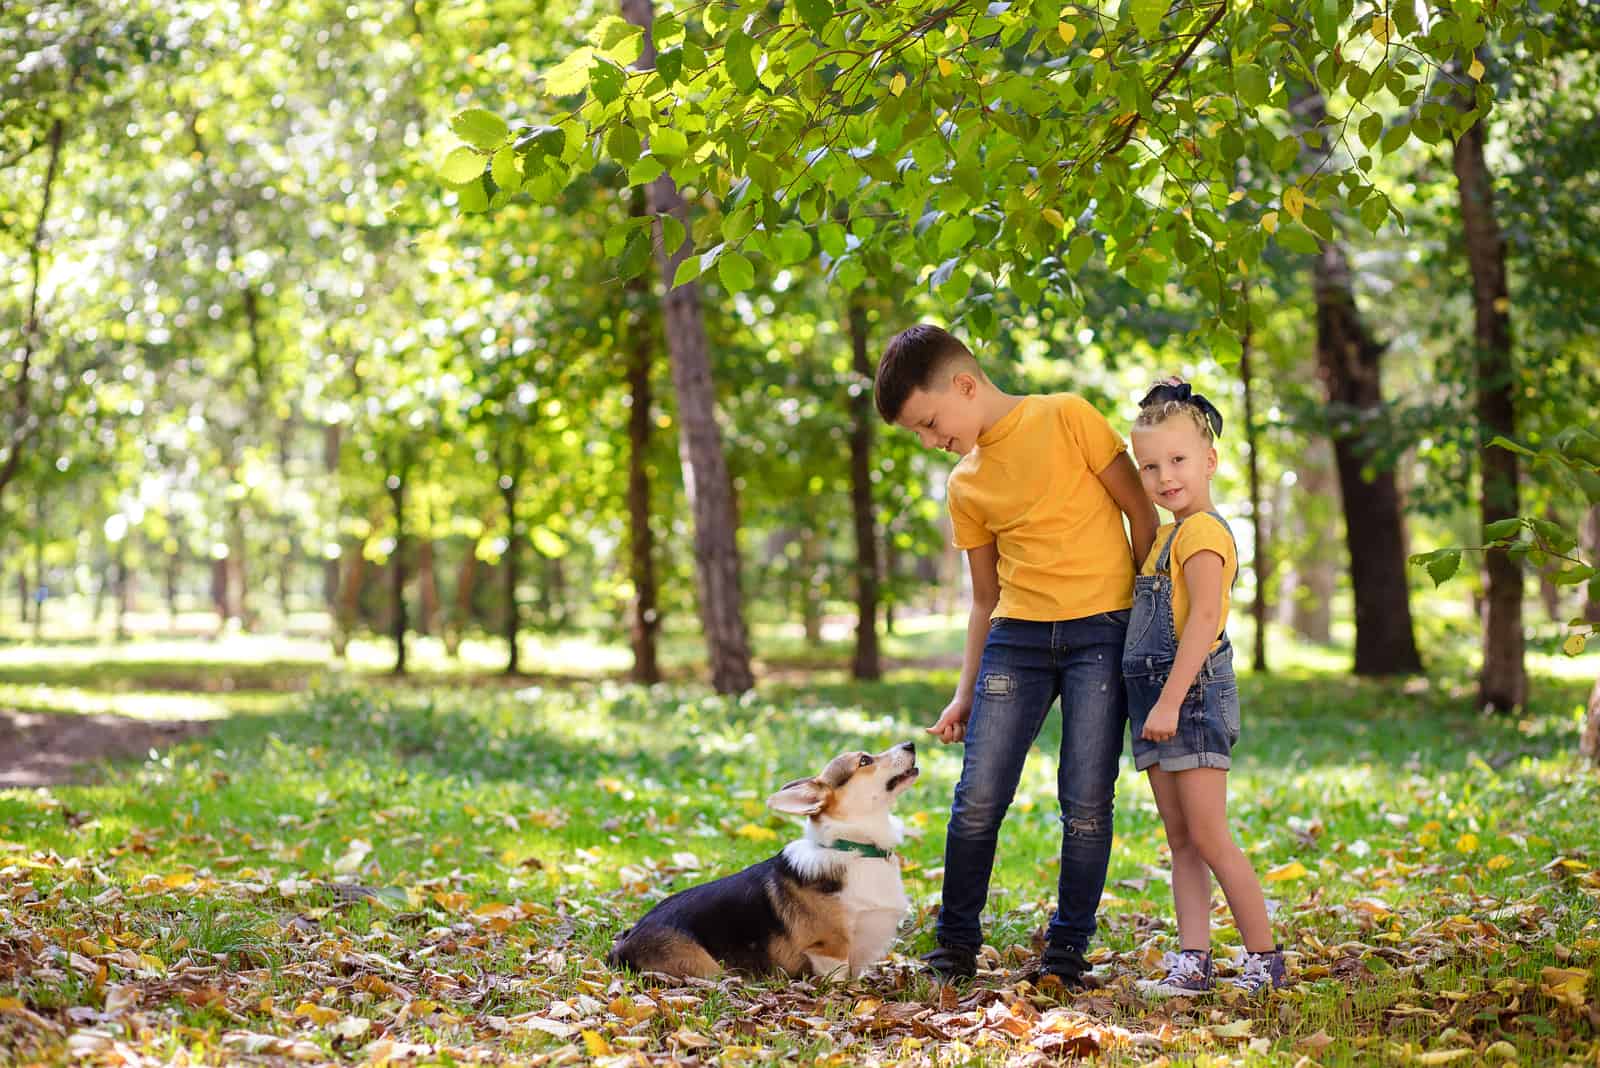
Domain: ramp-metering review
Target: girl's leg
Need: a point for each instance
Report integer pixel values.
(1203, 800)
(1191, 879)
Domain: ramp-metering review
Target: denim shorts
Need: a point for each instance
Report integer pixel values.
(1208, 719)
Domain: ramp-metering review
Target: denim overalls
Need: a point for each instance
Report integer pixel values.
(1208, 720)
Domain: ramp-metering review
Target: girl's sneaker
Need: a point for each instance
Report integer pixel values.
(1261, 971)
(1188, 974)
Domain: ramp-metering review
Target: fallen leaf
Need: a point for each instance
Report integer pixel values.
(1284, 873)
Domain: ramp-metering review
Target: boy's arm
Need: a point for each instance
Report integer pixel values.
(1202, 573)
(984, 563)
(1121, 480)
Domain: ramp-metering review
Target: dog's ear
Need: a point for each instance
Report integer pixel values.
(803, 797)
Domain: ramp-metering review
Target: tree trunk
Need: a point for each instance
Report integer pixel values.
(427, 589)
(347, 608)
(174, 561)
(866, 664)
(397, 569)
(891, 567)
(1589, 740)
(1315, 578)
(508, 493)
(123, 588)
(1261, 559)
(811, 585)
(455, 626)
(644, 620)
(1503, 681)
(705, 470)
(1348, 361)
(24, 420)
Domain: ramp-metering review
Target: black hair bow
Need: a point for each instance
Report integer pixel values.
(1182, 392)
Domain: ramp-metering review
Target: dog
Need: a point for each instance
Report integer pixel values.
(828, 904)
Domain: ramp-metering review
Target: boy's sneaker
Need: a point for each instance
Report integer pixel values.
(1066, 966)
(950, 964)
(1188, 974)
(1261, 971)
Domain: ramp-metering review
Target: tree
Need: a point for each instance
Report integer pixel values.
(1502, 681)
(700, 441)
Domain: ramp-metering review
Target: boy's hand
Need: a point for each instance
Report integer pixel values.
(952, 725)
(1162, 724)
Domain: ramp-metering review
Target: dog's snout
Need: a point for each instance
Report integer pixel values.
(910, 747)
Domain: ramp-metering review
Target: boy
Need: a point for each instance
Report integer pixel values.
(1037, 502)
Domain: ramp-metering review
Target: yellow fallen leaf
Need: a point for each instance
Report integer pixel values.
(1237, 1029)
(1286, 872)
(317, 1014)
(177, 879)
(1565, 985)
(596, 1044)
(1467, 843)
(756, 834)
(1441, 1056)
(1499, 862)
(10, 1004)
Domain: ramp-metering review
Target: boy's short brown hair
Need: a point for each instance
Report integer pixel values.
(909, 364)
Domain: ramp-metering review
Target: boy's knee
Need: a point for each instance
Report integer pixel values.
(1087, 820)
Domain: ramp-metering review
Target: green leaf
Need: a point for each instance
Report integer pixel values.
(635, 256)
(548, 543)
(571, 75)
(1499, 441)
(740, 65)
(669, 64)
(472, 198)
(665, 141)
(1442, 564)
(461, 165)
(792, 244)
(1147, 15)
(687, 271)
(622, 144)
(503, 169)
(1078, 253)
(1250, 82)
(736, 271)
(832, 237)
(815, 13)
(1502, 528)
(955, 233)
(1371, 129)
(480, 128)
(647, 170)
(672, 233)
(1573, 575)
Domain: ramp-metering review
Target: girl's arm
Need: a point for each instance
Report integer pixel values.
(1202, 576)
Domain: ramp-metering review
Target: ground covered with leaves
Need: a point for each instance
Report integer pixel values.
(433, 876)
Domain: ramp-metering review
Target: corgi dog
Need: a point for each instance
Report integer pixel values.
(829, 903)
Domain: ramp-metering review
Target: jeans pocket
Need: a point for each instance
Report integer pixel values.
(1227, 698)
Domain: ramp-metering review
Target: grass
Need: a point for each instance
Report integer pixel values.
(1426, 865)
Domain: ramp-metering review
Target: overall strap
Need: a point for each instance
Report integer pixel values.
(1166, 551)
(1218, 517)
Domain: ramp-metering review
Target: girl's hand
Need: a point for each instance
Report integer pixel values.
(1162, 724)
(952, 725)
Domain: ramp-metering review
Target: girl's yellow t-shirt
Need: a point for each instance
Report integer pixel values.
(1200, 532)
(1031, 485)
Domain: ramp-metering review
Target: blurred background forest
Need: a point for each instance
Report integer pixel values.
(275, 364)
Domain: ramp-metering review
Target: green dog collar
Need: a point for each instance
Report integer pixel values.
(866, 849)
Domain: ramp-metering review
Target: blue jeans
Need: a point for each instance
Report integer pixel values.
(1026, 666)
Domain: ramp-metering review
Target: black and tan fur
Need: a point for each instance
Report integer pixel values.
(812, 908)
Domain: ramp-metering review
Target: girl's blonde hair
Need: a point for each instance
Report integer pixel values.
(1160, 411)
(1173, 398)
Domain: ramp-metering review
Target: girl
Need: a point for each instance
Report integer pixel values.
(1183, 704)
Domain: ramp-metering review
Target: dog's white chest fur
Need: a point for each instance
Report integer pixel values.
(873, 898)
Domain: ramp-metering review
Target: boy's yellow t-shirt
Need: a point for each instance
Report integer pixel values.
(1201, 531)
(1031, 485)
